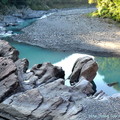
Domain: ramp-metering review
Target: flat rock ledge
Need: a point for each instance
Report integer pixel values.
(41, 93)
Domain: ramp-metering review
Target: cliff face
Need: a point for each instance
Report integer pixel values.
(41, 94)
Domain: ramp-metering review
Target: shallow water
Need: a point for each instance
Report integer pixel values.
(109, 67)
(21, 25)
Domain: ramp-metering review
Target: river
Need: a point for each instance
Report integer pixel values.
(109, 67)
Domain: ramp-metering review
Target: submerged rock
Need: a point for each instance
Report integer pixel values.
(41, 92)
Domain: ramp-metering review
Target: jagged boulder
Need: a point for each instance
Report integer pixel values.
(41, 94)
(52, 100)
(84, 67)
(46, 72)
(8, 78)
(6, 50)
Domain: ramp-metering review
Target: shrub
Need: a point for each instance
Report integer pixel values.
(108, 8)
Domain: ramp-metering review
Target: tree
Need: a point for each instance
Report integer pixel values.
(108, 8)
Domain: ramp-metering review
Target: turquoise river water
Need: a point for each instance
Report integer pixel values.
(109, 67)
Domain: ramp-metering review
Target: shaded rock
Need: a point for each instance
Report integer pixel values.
(22, 65)
(9, 113)
(84, 67)
(112, 84)
(52, 100)
(46, 97)
(46, 72)
(10, 20)
(8, 78)
(8, 51)
(85, 86)
(8, 86)
(25, 102)
(42, 93)
(39, 74)
(47, 108)
(7, 67)
(75, 110)
(29, 14)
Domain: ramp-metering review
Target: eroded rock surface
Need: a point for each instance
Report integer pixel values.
(41, 94)
(84, 67)
(8, 51)
(8, 77)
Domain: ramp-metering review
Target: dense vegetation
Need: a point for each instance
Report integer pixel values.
(107, 8)
(41, 4)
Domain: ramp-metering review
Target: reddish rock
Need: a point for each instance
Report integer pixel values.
(89, 70)
(84, 67)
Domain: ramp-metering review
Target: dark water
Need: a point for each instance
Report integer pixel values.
(109, 67)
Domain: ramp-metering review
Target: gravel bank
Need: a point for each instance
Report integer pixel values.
(72, 30)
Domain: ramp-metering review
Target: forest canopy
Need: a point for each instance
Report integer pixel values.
(108, 8)
(41, 4)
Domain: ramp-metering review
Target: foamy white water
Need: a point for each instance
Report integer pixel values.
(45, 16)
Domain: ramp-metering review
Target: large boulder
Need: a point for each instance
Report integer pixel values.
(46, 72)
(6, 50)
(40, 93)
(8, 78)
(84, 67)
(39, 74)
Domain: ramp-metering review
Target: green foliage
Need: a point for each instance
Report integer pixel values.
(42, 4)
(108, 8)
(48, 4)
(4, 1)
(12, 2)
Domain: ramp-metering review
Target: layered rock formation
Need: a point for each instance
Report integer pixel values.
(41, 94)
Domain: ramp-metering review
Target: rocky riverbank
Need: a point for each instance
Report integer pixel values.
(42, 94)
(72, 30)
(14, 17)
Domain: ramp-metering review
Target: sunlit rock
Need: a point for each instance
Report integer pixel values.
(8, 51)
(84, 67)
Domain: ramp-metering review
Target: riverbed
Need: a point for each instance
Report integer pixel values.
(109, 67)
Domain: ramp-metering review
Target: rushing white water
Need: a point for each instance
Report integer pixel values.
(46, 15)
(3, 32)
